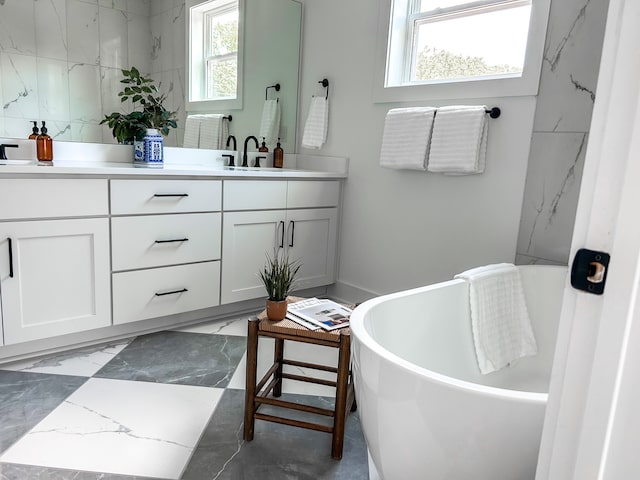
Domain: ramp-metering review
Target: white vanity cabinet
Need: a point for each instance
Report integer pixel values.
(165, 247)
(298, 217)
(54, 270)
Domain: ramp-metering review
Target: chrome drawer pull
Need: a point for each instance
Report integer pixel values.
(173, 241)
(171, 293)
(170, 194)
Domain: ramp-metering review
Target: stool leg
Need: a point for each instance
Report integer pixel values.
(278, 355)
(250, 387)
(344, 356)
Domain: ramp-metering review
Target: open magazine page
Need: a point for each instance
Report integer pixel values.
(302, 321)
(325, 313)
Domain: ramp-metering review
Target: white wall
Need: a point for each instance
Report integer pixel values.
(405, 228)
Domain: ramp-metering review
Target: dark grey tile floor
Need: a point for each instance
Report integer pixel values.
(57, 412)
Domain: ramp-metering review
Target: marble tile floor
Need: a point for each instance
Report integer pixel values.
(168, 406)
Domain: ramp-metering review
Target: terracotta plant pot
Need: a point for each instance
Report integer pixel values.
(276, 311)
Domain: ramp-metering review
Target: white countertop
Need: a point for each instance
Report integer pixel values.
(59, 167)
(76, 158)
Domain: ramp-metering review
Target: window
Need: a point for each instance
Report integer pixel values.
(460, 49)
(215, 54)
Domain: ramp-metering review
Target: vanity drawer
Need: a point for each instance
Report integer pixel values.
(165, 196)
(157, 240)
(313, 194)
(165, 291)
(255, 194)
(46, 198)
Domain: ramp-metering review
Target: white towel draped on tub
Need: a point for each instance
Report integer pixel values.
(270, 123)
(459, 140)
(500, 321)
(406, 138)
(315, 129)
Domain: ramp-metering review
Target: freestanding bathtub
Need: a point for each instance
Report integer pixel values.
(426, 411)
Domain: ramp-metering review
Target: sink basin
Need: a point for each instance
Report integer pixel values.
(18, 162)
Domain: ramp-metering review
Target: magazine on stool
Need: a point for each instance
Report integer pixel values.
(322, 313)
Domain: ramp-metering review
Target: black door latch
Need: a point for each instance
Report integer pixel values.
(589, 271)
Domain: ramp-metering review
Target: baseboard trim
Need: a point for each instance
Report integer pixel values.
(348, 293)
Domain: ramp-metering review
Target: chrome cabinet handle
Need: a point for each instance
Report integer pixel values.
(10, 257)
(293, 228)
(173, 241)
(171, 293)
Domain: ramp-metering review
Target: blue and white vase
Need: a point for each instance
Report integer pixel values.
(149, 150)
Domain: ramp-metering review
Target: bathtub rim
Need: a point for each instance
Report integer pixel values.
(359, 330)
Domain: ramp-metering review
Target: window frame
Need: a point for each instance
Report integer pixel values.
(391, 50)
(197, 57)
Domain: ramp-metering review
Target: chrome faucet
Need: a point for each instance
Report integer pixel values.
(244, 155)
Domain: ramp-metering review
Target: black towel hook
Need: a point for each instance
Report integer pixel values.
(325, 84)
(266, 90)
(228, 117)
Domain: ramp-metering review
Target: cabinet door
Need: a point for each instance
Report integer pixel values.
(54, 277)
(246, 238)
(312, 237)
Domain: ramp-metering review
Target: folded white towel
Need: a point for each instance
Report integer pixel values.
(459, 140)
(500, 321)
(406, 137)
(191, 132)
(270, 123)
(211, 131)
(315, 129)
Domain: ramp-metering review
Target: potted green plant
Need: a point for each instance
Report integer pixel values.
(278, 276)
(149, 110)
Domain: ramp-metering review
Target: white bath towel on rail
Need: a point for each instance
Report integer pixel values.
(500, 321)
(406, 137)
(316, 126)
(459, 140)
(270, 123)
(191, 132)
(212, 128)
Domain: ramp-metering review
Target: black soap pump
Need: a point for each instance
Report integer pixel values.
(34, 131)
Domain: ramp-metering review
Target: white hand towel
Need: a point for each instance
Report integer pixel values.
(315, 129)
(191, 132)
(270, 123)
(211, 131)
(406, 137)
(459, 140)
(500, 321)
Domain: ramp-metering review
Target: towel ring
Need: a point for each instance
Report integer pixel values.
(325, 84)
(266, 90)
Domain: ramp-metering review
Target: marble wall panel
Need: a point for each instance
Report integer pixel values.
(51, 29)
(17, 37)
(69, 71)
(114, 50)
(53, 89)
(563, 115)
(551, 195)
(19, 85)
(83, 32)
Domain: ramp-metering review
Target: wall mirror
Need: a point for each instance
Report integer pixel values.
(69, 73)
(268, 53)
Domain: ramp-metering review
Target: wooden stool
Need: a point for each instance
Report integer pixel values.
(257, 394)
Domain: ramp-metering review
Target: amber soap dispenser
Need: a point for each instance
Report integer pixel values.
(44, 145)
(34, 131)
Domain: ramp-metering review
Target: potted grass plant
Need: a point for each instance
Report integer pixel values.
(278, 276)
